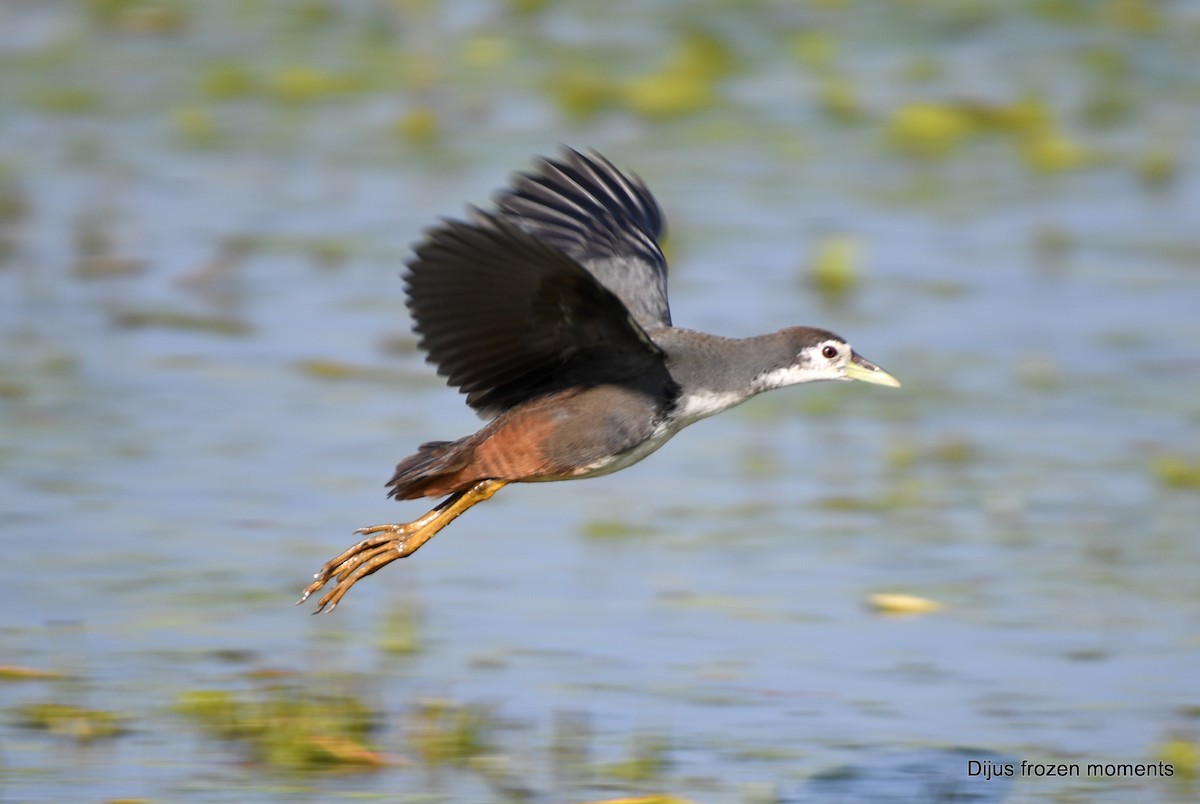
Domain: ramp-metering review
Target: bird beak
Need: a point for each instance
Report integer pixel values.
(859, 368)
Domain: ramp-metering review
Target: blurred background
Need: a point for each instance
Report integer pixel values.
(207, 374)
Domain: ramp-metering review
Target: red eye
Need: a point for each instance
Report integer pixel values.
(829, 352)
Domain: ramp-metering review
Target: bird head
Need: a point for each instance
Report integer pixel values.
(817, 354)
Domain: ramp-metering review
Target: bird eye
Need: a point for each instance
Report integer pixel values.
(829, 352)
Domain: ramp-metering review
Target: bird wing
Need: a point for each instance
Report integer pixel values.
(506, 316)
(606, 220)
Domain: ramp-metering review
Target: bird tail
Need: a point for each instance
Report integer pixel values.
(435, 470)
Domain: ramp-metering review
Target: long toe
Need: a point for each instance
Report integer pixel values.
(378, 560)
(356, 563)
(391, 529)
(346, 568)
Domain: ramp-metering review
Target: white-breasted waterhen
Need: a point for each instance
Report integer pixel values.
(550, 313)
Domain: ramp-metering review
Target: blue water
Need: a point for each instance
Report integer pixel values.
(167, 493)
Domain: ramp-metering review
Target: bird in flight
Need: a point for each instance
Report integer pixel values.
(550, 313)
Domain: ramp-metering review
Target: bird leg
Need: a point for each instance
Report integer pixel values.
(386, 543)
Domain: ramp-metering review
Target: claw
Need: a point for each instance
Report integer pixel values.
(356, 563)
(386, 543)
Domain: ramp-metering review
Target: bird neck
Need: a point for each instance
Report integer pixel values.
(715, 373)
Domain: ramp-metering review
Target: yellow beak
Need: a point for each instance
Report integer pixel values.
(859, 368)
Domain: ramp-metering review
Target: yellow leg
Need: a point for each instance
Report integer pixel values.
(390, 542)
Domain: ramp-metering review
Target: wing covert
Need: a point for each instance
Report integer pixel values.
(604, 219)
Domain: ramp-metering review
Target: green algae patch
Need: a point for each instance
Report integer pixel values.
(926, 130)
(195, 126)
(1183, 754)
(835, 270)
(13, 672)
(648, 760)
(613, 529)
(686, 83)
(401, 632)
(289, 728)
(337, 370)
(67, 720)
(66, 100)
(301, 84)
(419, 126)
(139, 16)
(445, 732)
(1177, 471)
(181, 320)
(228, 80)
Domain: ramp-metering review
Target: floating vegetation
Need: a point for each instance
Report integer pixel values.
(1023, 116)
(613, 529)
(648, 760)
(107, 267)
(303, 84)
(195, 126)
(67, 720)
(955, 451)
(12, 389)
(1182, 752)
(835, 270)
(899, 603)
(418, 126)
(1159, 166)
(289, 727)
(654, 799)
(581, 92)
(400, 632)
(528, 8)
(845, 503)
(686, 84)
(922, 68)
(14, 201)
(321, 369)
(314, 13)
(13, 672)
(839, 99)
(215, 158)
(1176, 471)
(324, 251)
(226, 80)
(66, 100)
(445, 732)
(928, 130)
(1108, 106)
(329, 252)
(570, 743)
(815, 49)
(1051, 151)
(486, 51)
(181, 320)
(668, 94)
(139, 16)
(951, 450)
(1039, 372)
(1053, 243)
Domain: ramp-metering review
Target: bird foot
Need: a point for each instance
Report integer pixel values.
(385, 544)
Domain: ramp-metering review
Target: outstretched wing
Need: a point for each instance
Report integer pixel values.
(506, 316)
(607, 221)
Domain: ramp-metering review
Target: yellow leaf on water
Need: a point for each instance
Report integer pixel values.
(898, 603)
(13, 672)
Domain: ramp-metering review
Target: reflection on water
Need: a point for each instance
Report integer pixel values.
(206, 377)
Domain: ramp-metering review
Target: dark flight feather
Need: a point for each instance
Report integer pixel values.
(506, 316)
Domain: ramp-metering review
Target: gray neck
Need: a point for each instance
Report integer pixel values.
(716, 373)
